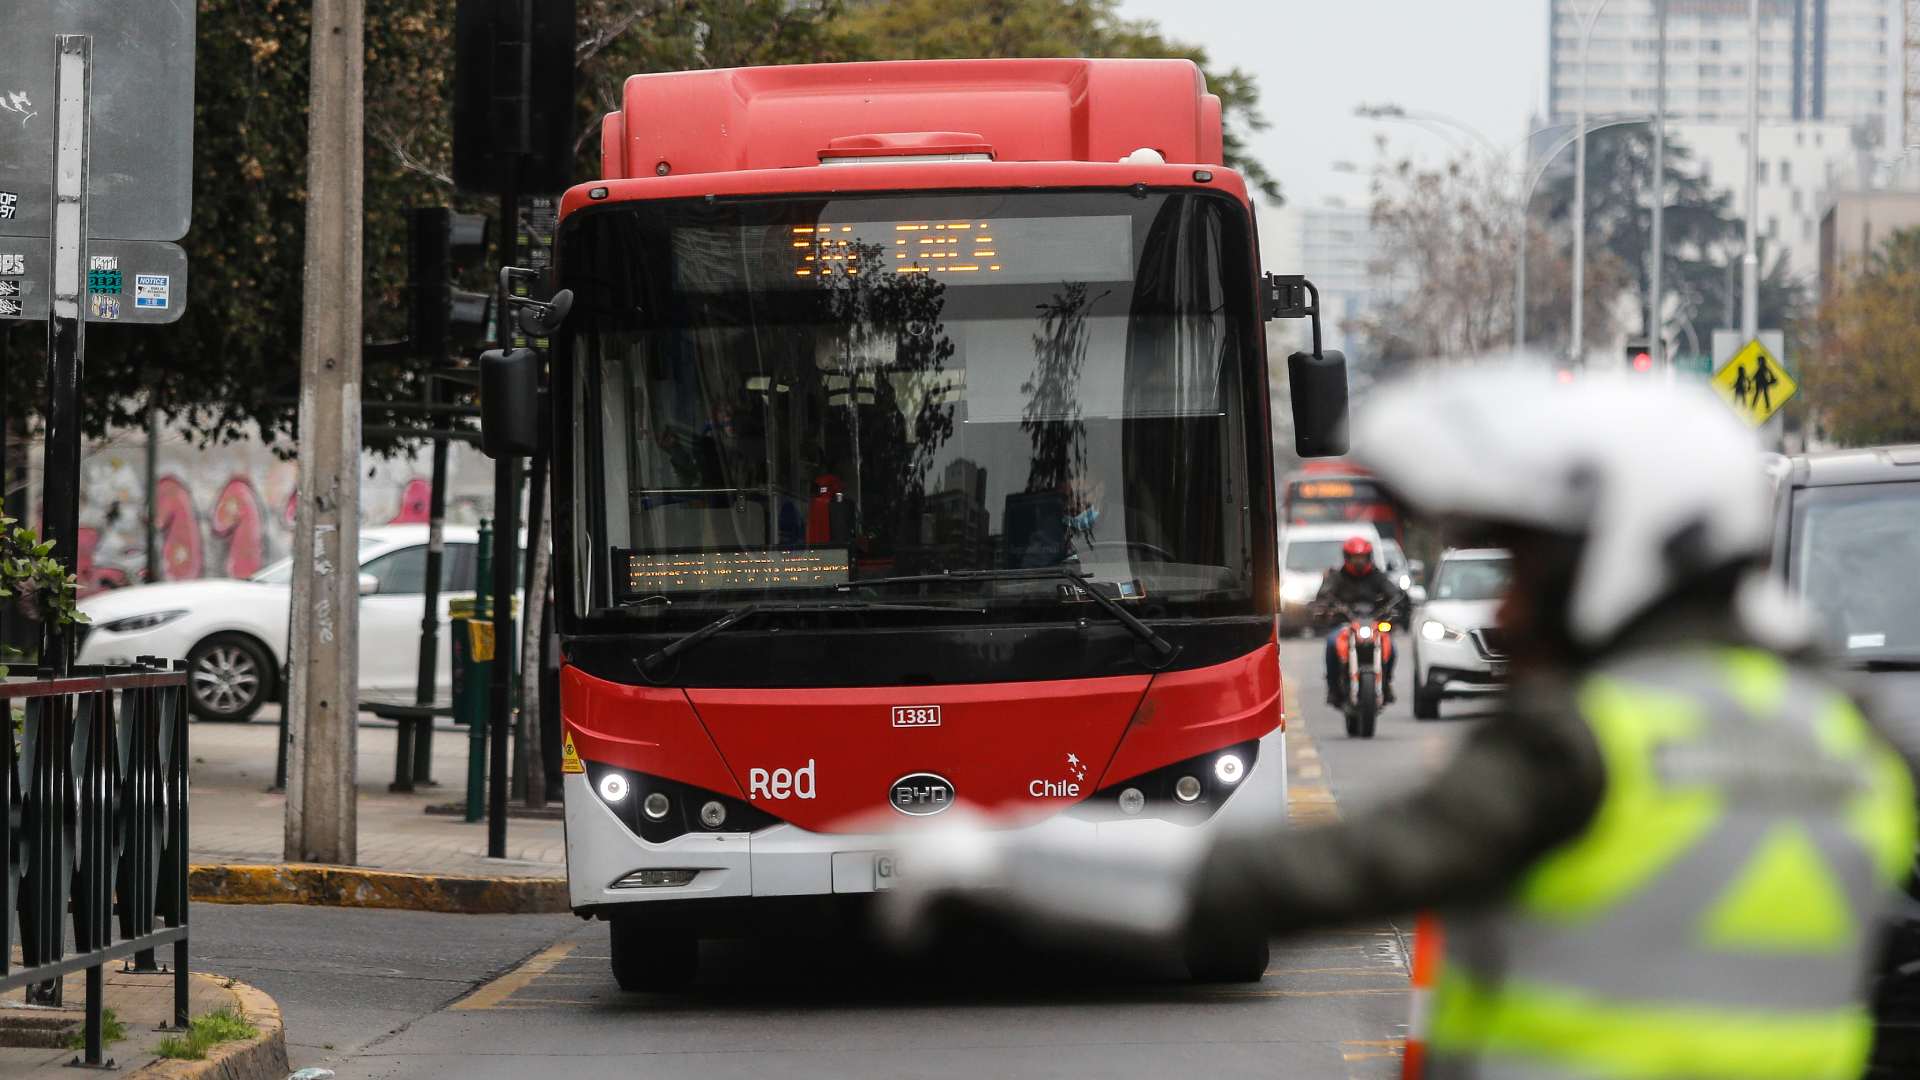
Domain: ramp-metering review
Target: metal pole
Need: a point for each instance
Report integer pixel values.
(66, 322)
(506, 520)
(155, 572)
(428, 689)
(323, 700)
(1578, 344)
(526, 720)
(1520, 283)
(1750, 262)
(1656, 295)
(477, 726)
(506, 528)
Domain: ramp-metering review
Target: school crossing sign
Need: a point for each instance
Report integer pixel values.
(1755, 382)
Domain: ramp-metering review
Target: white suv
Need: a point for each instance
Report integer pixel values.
(1457, 649)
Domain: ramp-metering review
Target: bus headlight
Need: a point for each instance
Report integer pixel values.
(656, 806)
(1187, 788)
(1228, 768)
(713, 814)
(1132, 801)
(613, 787)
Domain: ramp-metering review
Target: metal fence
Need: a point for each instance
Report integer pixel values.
(93, 785)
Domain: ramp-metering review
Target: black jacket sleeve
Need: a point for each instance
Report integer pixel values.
(1523, 783)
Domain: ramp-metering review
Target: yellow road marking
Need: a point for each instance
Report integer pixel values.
(499, 990)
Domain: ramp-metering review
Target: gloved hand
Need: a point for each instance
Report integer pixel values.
(1062, 875)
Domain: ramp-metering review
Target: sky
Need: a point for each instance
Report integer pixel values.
(1479, 62)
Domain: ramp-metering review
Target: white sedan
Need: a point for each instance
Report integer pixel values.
(233, 634)
(1459, 650)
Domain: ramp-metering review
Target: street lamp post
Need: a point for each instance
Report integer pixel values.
(1656, 295)
(1580, 187)
(1750, 262)
(1526, 200)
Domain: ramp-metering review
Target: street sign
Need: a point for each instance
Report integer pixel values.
(141, 142)
(1755, 383)
(1696, 365)
(137, 282)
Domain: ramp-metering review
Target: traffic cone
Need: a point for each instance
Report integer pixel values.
(1427, 945)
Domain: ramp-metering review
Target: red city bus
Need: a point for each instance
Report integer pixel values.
(910, 450)
(1338, 491)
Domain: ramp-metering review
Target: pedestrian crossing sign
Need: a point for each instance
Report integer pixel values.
(569, 757)
(1755, 383)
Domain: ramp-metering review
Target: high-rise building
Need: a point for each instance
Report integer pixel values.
(1836, 61)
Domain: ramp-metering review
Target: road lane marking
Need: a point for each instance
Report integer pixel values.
(493, 994)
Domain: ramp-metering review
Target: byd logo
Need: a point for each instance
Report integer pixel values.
(912, 716)
(920, 794)
(781, 783)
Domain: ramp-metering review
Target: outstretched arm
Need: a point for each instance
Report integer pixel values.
(1521, 785)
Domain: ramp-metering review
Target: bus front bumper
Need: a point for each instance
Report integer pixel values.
(608, 866)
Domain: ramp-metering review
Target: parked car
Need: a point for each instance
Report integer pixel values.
(1847, 542)
(1307, 552)
(1458, 650)
(233, 634)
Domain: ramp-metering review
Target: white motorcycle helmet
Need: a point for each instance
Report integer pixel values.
(1661, 482)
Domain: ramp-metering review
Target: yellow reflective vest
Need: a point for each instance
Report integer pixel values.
(1716, 917)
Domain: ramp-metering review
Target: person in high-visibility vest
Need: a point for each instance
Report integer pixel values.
(1670, 853)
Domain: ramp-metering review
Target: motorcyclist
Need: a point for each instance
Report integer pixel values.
(1666, 856)
(1358, 584)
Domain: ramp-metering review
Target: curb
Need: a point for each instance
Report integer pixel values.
(351, 886)
(263, 1057)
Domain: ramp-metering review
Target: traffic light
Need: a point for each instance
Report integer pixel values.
(444, 318)
(1640, 358)
(513, 103)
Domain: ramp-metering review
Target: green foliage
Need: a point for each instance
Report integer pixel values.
(1860, 380)
(1704, 233)
(29, 572)
(111, 1031)
(230, 367)
(205, 1032)
(935, 29)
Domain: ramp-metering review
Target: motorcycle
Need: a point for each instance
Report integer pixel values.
(1364, 644)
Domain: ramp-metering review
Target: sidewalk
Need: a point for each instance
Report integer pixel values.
(236, 820)
(141, 1003)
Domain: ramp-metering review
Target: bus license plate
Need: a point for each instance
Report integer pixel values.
(886, 872)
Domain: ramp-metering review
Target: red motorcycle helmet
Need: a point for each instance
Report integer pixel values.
(1358, 556)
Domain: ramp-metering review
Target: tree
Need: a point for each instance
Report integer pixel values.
(1448, 237)
(229, 367)
(1702, 232)
(935, 29)
(1860, 379)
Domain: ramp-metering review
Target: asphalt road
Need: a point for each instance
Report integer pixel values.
(405, 995)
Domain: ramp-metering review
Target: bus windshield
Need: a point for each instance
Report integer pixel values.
(779, 398)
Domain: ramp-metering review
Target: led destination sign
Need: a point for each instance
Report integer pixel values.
(651, 573)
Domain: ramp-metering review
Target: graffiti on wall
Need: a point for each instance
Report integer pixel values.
(223, 511)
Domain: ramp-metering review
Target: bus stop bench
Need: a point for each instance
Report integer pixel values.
(412, 757)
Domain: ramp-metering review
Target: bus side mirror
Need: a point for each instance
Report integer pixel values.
(1319, 382)
(1318, 379)
(509, 402)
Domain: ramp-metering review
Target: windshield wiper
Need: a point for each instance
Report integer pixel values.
(1163, 649)
(727, 620)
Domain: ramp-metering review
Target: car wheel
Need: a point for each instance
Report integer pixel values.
(1227, 955)
(227, 677)
(1426, 705)
(649, 960)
